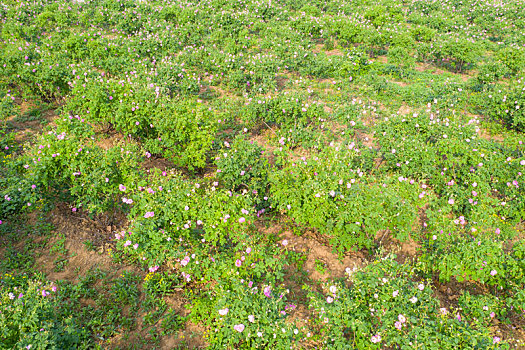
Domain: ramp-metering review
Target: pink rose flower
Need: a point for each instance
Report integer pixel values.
(239, 327)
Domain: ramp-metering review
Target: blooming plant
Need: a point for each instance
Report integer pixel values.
(329, 192)
(247, 315)
(385, 306)
(29, 318)
(241, 167)
(167, 209)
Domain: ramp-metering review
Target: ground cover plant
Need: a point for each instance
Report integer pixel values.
(262, 174)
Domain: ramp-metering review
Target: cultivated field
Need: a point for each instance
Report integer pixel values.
(277, 174)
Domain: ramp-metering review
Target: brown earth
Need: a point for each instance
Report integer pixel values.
(76, 229)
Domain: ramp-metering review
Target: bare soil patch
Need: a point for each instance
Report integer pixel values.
(77, 229)
(321, 262)
(30, 120)
(335, 52)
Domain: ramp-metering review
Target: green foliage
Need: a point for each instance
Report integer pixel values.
(423, 33)
(505, 103)
(247, 316)
(91, 174)
(491, 73)
(400, 56)
(513, 58)
(168, 208)
(160, 283)
(29, 317)
(387, 306)
(481, 309)
(455, 162)
(328, 192)
(182, 131)
(471, 259)
(287, 111)
(457, 53)
(241, 167)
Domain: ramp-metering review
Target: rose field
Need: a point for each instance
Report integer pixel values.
(262, 174)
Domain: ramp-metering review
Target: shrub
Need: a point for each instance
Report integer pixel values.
(387, 305)
(328, 192)
(400, 56)
(182, 131)
(248, 316)
(506, 104)
(458, 53)
(167, 209)
(293, 113)
(441, 153)
(513, 57)
(89, 175)
(30, 317)
(241, 166)
(422, 33)
(490, 73)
